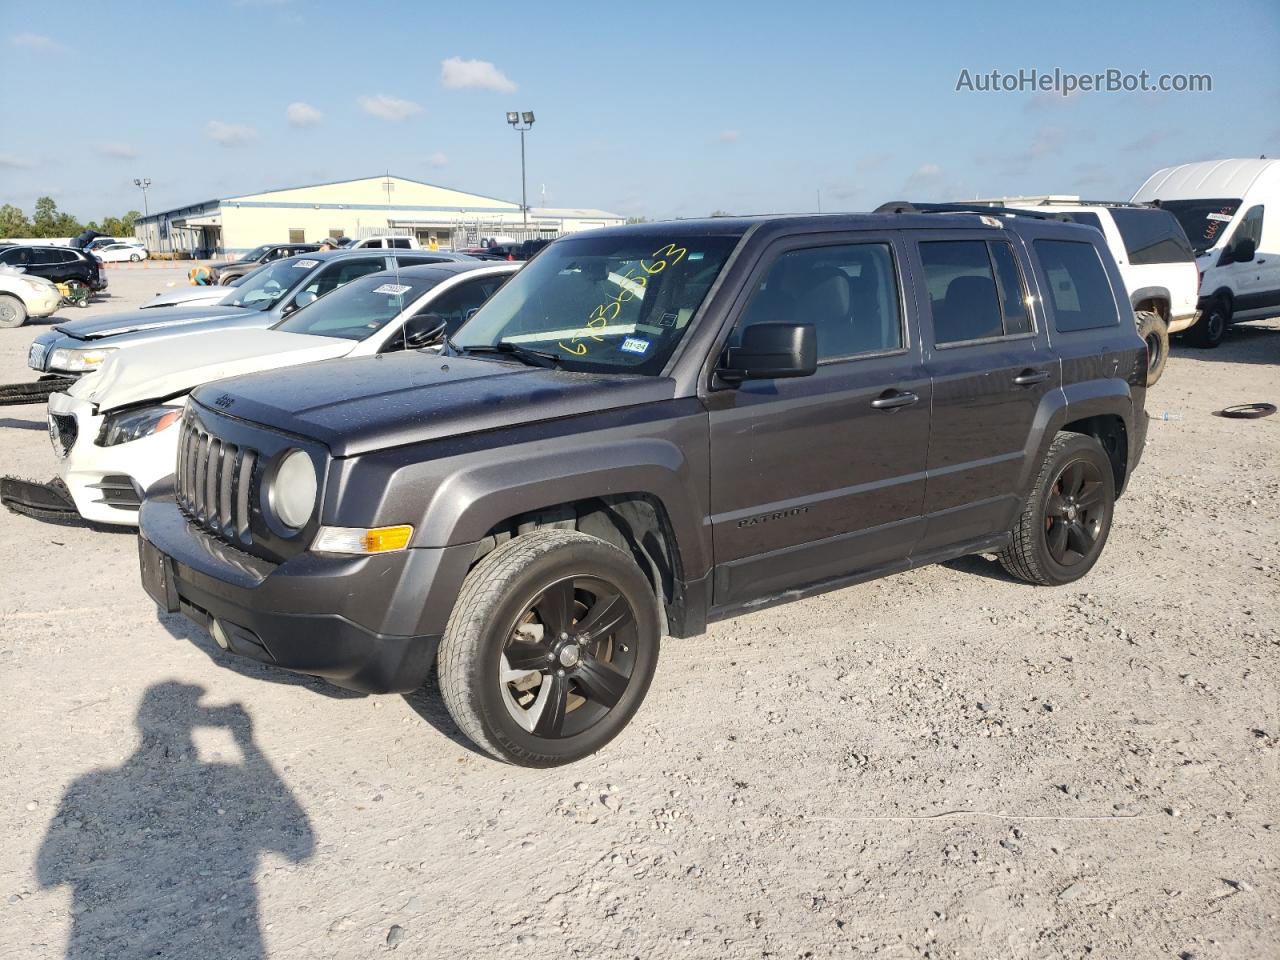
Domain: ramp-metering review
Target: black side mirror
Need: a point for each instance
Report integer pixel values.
(1244, 250)
(423, 330)
(770, 351)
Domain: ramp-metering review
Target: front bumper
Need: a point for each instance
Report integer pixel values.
(43, 303)
(336, 617)
(106, 483)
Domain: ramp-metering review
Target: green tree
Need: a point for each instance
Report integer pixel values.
(49, 221)
(721, 213)
(13, 222)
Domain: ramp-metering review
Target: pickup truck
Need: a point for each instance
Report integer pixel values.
(649, 428)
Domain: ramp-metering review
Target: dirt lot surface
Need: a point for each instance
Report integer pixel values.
(944, 763)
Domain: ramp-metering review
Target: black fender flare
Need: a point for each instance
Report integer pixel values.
(1078, 401)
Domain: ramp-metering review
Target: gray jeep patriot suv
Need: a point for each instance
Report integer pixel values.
(647, 428)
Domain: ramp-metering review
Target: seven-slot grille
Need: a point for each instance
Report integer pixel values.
(214, 481)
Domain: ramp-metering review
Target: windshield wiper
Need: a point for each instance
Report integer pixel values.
(534, 358)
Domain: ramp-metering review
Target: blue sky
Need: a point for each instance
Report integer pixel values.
(655, 108)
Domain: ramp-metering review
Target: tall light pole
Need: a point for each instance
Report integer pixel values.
(142, 183)
(522, 122)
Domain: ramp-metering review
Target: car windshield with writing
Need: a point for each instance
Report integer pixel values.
(262, 289)
(359, 309)
(1203, 220)
(608, 304)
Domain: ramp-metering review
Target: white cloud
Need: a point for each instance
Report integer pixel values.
(927, 171)
(459, 74)
(303, 115)
(230, 134)
(37, 41)
(118, 151)
(388, 108)
(726, 136)
(9, 162)
(438, 159)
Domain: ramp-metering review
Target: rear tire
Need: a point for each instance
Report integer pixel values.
(1212, 325)
(550, 648)
(1066, 519)
(1155, 332)
(13, 312)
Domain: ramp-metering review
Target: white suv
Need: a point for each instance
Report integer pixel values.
(1155, 259)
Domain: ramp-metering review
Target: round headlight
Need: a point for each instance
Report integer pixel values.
(293, 492)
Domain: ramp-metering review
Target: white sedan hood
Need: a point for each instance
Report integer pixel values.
(171, 367)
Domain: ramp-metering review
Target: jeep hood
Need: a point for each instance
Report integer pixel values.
(171, 367)
(131, 321)
(362, 404)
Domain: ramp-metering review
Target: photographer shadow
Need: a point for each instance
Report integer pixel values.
(161, 851)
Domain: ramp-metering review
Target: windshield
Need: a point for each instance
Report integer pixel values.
(263, 288)
(1203, 220)
(257, 253)
(358, 309)
(615, 303)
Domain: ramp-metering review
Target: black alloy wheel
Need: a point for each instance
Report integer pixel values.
(1076, 512)
(551, 647)
(569, 658)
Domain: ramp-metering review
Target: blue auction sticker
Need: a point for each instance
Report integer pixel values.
(634, 345)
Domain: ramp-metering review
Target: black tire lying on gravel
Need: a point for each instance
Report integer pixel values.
(1066, 519)
(1155, 332)
(550, 648)
(38, 391)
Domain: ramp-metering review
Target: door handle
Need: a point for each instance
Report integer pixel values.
(892, 399)
(1028, 377)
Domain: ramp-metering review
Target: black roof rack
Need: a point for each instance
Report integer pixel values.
(986, 209)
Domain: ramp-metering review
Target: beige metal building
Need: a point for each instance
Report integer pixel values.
(437, 215)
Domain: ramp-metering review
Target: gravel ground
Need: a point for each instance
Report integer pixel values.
(944, 763)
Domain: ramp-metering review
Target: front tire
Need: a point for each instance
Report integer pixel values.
(13, 312)
(1155, 332)
(550, 648)
(134, 258)
(1065, 521)
(1212, 325)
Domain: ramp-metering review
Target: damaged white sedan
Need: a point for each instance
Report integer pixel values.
(111, 430)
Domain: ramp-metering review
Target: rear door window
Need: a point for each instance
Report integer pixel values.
(1079, 290)
(976, 290)
(1152, 236)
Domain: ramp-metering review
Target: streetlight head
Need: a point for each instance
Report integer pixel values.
(512, 117)
(527, 117)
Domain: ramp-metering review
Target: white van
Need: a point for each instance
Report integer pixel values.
(1222, 206)
(396, 242)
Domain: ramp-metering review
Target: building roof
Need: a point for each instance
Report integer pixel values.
(367, 192)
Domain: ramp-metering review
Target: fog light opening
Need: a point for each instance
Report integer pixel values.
(219, 635)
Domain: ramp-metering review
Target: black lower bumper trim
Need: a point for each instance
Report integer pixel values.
(324, 645)
(44, 501)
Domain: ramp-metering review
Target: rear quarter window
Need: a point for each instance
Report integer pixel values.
(1079, 291)
(1152, 236)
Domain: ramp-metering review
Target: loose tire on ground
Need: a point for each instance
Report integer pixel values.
(502, 637)
(1212, 325)
(1153, 329)
(13, 312)
(1066, 519)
